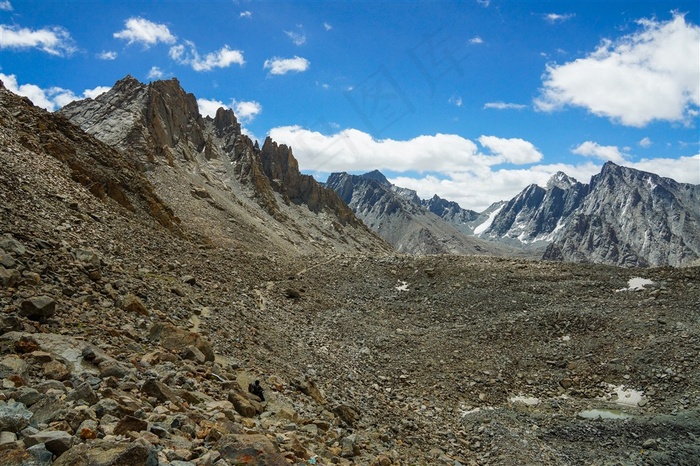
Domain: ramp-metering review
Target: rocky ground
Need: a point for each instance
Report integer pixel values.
(126, 340)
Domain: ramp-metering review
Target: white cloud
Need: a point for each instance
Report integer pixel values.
(246, 14)
(246, 111)
(145, 32)
(155, 73)
(55, 41)
(484, 3)
(557, 18)
(209, 107)
(452, 166)
(92, 93)
(605, 153)
(107, 55)
(645, 142)
(513, 150)
(476, 40)
(50, 99)
(354, 150)
(456, 101)
(299, 38)
(653, 74)
(186, 54)
(504, 106)
(278, 65)
(327, 26)
(683, 169)
(5, 5)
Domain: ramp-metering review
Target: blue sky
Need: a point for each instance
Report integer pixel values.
(471, 100)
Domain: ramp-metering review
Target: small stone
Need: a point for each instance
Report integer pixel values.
(159, 391)
(38, 308)
(130, 424)
(241, 404)
(8, 277)
(192, 353)
(111, 368)
(55, 441)
(110, 452)
(14, 416)
(87, 430)
(83, 392)
(56, 370)
(11, 245)
(189, 279)
(650, 444)
(132, 303)
(566, 383)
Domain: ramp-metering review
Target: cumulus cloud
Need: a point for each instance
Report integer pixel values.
(145, 32)
(246, 14)
(246, 111)
(5, 5)
(186, 54)
(327, 26)
(107, 55)
(652, 74)
(476, 40)
(155, 73)
(513, 150)
(455, 100)
(279, 66)
(645, 142)
(209, 107)
(52, 98)
(54, 40)
(451, 166)
(504, 106)
(605, 153)
(354, 150)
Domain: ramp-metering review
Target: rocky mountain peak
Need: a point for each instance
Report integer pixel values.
(377, 176)
(561, 180)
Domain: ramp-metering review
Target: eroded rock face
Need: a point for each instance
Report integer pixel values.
(400, 217)
(159, 123)
(633, 219)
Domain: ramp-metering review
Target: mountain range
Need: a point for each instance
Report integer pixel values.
(622, 217)
(219, 179)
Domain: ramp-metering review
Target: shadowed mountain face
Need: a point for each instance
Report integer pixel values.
(159, 128)
(401, 218)
(623, 217)
(632, 218)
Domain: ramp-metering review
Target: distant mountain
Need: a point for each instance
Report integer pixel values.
(537, 213)
(399, 216)
(632, 218)
(214, 175)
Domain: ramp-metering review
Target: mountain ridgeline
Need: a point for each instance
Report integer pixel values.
(409, 224)
(213, 176)
(217, 175)
(622, 217)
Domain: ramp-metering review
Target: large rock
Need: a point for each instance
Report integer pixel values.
(253, 449)
(110, 453)
(177, 339)
(37, 455)
(8, 277)
(38, 308)
(14, 416)
(56, 441)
